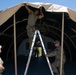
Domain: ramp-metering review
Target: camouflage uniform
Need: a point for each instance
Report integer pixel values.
(56, 64)
(32, 18)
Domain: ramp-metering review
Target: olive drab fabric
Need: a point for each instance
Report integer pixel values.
(31, 26)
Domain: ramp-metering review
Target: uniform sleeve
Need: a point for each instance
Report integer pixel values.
(30, 12)
(52, 54)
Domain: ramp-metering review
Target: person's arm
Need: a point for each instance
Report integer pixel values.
(28, 9)
(51, 54)
(41, 13)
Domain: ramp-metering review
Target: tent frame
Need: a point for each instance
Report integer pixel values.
(15, 53)
(62, 39)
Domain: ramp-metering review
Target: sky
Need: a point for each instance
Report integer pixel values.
(68, 3)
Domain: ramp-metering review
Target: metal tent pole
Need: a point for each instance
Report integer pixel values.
(62, 38)
(15, 56)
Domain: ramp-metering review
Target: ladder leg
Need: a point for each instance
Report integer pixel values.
(30, 54)
(46, 53)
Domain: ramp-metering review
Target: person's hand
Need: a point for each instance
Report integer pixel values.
(46, 55)
(41, 8)
(24, 4)
(34, 48)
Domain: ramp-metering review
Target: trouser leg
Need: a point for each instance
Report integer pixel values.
(54, 68)
(30, 33)
(63, 73)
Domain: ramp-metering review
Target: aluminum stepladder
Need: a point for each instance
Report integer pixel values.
(31, 50)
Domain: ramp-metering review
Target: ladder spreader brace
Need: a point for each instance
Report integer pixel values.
(31, 50)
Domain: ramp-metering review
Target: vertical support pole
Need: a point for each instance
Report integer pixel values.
(62, 39)
(15, 56)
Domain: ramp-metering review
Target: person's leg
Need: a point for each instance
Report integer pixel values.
(36, 53)
(63, 72)
(54, 68)
(30, 33)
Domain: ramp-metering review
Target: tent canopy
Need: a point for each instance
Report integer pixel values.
(48, 7)
(49, 26)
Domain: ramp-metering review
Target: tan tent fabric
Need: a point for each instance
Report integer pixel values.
(6, 14)
(72, 14)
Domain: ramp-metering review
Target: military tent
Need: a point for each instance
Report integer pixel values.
(59, 23)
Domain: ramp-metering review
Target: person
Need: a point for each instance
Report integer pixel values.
(38, 49)
(57, 54)
(1, 63)
(32, 18)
